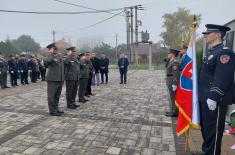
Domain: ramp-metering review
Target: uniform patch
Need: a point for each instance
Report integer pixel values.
(210, 57)
(175, 67)
(224, 59)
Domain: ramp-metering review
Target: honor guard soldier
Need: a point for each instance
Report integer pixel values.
(72, 76)
(84, 76)
(23, 67)
(3, 72)
(216, 83)
(55, 78)
(172, 78)
(13, 70)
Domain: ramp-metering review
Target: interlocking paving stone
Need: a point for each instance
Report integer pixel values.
(120, 119)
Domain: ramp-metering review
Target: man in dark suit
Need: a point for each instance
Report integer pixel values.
(72, 76)
(104, 68)
(55, 78)
(123, 67)
(84, 76)
(96, 65)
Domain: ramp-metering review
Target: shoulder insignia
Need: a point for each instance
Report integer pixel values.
(224, 59)
(210, 57)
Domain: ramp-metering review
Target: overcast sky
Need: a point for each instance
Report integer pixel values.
(40, 26)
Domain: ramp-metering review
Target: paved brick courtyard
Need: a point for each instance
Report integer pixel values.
(118, 120)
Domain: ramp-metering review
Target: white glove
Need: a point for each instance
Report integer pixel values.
(18, 71)
(174, 87)
(211, 104)
(12, 71)
(22, 71)
(0, 72)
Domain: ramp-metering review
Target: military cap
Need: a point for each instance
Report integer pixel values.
(185, 47)
(71, 49)
(216, 28)
(174, 51)
(52, 45)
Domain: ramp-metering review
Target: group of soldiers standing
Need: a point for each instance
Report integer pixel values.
(21, 67)
(78, 72)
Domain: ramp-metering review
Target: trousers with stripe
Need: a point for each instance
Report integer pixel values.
(212, 123)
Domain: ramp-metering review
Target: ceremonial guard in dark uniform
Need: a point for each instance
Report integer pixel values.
(55, 78)
(13, 70)
(3, 72)
(123, 67)
(216, 86)
(23, 67)
(172, 78)
(72, 76)
(84, 76)
(104, 68)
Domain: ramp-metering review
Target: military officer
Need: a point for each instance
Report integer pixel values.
(3, 72)
(55, 78)
(216, 83)
(172, 73)
(72, 76)
(84, 76)
(183, 53)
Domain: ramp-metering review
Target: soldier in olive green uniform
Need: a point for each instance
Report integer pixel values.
(3, 72)
(172, 73)
(55, 78)
(72, 76)
(84, 76)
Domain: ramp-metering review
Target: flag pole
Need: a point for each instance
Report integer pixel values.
(194, 26)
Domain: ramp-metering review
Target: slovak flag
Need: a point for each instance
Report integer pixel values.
(186, 98)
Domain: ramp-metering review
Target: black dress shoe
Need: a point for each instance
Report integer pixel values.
(7, 87)
(121, 82)
(55, 114)
(82, 101)
(60, 112)
(87, 96)
(76, 105)
(171, 114)
(124, 82)
(72, 107)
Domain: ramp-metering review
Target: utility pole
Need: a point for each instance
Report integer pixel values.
(116, 47)
(132, 36)
(150, 55)
(127, 29)
(136, 25)
(53, 35)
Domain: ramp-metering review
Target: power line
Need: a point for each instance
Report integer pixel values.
(81, 6)
(89, 26)
(55, 13)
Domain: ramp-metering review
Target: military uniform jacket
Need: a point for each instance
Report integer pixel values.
(216, 80)
(84, 70)
(3, 65)
(23, 65)
(12, 65)
(72, 68)
(173, 72)
(55, 67)
(181, 61)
